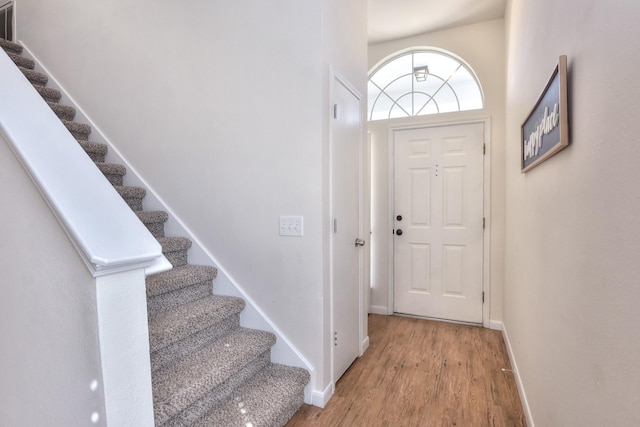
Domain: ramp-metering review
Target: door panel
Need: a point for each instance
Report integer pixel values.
(439, 195)
(346, 139)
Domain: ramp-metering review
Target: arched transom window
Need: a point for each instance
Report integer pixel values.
(422, 82)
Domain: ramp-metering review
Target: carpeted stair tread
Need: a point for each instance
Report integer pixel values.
(10, 46)
(175, 249)
(202, 406)
(78, 130)
(132, 195)
(194, 342)
(179, 277)
(64, 112)
(187, 319)
(172, 244)
(113, 172)
(112, 168)
(168, 301)
(127, 191)
(154, 221)
(95, 150)
(270, 398)
(21, 61)
(179, 385)
(49, 94)
(34, 76)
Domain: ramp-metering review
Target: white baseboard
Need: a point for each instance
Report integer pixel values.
(516, 374)
(320, 398)
(364, 345)
(378, 309)
(496, 325)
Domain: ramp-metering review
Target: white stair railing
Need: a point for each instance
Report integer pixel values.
(107, 234)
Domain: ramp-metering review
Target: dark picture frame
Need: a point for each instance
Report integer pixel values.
(545, 131)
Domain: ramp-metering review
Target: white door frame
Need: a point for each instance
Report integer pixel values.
(486, 209)
(362, 184)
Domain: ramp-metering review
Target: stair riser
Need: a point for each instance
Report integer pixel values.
(96, 157)
(161, 303)
(183, 348)
(80, 136)
(155, 228)
(115, 180)
(271, 397)
(177, 258)
(51, 95)
(95, 151)
(134, 204)
(22, 61)
(35, 77)
(179, 278)
(78, 130)
(63, 112)
(12, 47)
(288, 413)
(217, 415)
(223, 391)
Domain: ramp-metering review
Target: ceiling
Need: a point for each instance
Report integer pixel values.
(394, 19)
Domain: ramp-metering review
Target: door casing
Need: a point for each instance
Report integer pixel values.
(486, 288)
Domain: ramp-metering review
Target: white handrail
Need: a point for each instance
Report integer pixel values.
(107, 234)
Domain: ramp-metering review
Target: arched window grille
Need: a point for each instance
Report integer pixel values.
(421, 82)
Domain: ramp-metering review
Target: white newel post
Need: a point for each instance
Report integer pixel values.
(124, 347)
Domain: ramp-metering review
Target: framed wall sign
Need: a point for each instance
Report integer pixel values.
(546, 129)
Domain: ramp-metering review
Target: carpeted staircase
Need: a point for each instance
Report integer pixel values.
(207, 370)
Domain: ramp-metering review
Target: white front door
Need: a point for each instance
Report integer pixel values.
(346, 144)
(438, 222)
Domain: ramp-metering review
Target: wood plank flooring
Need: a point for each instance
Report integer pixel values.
(423, 373)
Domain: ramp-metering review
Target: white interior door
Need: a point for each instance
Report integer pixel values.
(438, 222)
(346, 143)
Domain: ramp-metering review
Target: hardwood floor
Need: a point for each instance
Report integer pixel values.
(423, 373)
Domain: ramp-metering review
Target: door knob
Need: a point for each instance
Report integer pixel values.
(399, 232)
(359, 242)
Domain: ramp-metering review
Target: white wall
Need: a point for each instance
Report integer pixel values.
(482, 47)
(221, 108)
(50, 351)
(572, 231)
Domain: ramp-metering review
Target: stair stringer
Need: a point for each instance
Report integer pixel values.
(283, 351)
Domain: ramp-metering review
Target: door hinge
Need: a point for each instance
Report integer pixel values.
(335, 111)
(483, 297)
(484, 148)
(484, 223)
(335, 338)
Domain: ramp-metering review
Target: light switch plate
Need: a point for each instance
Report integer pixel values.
(291, 226)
